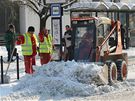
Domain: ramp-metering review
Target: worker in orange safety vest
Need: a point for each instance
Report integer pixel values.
(28, 41)
(45, 46)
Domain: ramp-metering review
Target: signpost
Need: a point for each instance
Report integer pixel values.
(56, 14)
(56, 10)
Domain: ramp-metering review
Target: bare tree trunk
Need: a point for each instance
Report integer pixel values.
(43, 22)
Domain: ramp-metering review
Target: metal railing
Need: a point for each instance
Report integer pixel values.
(2, 71)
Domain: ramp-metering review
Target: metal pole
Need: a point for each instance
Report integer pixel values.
(17, 65)
(127, 32)
(2, 81)
(96, 14)
(61, 36)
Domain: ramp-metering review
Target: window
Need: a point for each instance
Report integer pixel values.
(84, 41)
(132, 29)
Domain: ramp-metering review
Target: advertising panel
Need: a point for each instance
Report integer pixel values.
(56, 31)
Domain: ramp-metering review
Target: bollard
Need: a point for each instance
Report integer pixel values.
(17, 65)
(2, 81)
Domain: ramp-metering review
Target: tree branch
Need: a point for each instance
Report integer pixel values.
(31, 8)
(44, 4)
(33, 4)
(71, 2)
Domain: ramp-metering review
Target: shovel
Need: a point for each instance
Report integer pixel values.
(6, 78)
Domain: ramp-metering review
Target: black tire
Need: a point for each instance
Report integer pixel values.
(122, 70)
(112, 72)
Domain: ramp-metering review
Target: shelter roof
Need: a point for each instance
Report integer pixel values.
(102, 6)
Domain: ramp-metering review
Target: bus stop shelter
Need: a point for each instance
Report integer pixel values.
(125, 12)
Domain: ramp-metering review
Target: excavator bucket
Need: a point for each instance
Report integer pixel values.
(103, 74)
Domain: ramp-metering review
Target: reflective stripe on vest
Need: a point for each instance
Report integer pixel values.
(27, 46)
(46, 46)
(50, 43)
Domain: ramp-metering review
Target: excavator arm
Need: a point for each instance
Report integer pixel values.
(116, 27)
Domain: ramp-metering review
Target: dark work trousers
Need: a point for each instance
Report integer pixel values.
(9, 50)
(70, 53)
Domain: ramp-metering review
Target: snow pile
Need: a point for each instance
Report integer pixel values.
(63, 79)
(130, 51)
(3, 50)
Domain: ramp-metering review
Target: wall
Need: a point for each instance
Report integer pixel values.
(28, 18)
(22, 19)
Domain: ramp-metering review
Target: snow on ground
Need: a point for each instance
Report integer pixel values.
(130, 51)
(65, 81)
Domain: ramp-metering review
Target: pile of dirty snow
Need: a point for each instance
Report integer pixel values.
(63, 79)
(66, 78)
